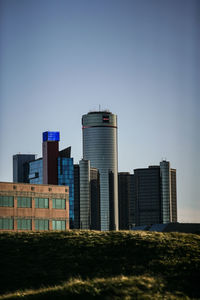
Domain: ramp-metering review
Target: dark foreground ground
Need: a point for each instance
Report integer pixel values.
(104, 265)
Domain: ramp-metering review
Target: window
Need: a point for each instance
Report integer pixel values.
(59, 203)
(24, 202)
(6, 223)
(7, 201)
(24, 224)
(58, 225)
(42, 224)
(41, 203)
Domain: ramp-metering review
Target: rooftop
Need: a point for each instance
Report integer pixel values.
(100, 112)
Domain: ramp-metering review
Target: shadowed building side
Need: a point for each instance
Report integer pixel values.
(21, 167)
(95, 199)
(147, 196)
(76, 196)
(126, 200)
(155, 195)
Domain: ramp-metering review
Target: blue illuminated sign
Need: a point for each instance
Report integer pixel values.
(51, 136)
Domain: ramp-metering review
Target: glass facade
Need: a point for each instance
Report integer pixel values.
(24, 202)
(100, 147)
(41, 203)
(66, 177)
(41, 224)
(147, 196)
(166, 191)
(36, 171)
(7, 201)
(58, 224)
(173, 195)
(6, 223)
(126, 201)
(85, 207)
(21, 167)
(51, 136)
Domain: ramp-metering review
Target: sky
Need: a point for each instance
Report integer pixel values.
(60, 59)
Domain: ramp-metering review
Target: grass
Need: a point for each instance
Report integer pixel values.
(104, 265)
(121, 287)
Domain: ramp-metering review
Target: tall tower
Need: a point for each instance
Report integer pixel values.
(100, 147)
(50, 155)
(168, 197)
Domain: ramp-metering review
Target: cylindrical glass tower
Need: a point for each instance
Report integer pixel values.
(100, 147)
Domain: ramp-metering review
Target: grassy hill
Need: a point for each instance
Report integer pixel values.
(104, 265)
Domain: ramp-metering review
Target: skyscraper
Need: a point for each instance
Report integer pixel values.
(168, 197)
(66, 177)
(50, 150)
(173, 195)
(76, 196)
(126, 200)
(100, 148)
(89, 196)
(147, 196)
(155, 195)
(85, 214)
(21, 167)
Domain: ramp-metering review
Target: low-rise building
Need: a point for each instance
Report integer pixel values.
(33, 207)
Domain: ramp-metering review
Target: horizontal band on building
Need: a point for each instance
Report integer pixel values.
(31, 217)
(84, 127)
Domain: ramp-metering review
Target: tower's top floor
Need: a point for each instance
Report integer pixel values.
(99, 119)
(51, 136)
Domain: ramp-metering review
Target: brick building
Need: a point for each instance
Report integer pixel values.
(33, 207)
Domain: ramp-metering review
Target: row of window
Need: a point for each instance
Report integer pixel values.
(26, 224)
(8, 201)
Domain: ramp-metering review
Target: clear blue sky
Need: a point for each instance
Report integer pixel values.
(138, 58)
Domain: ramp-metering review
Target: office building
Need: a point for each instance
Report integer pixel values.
(100, 148)
(126, 200)
(173, 195)
(95, 198)
(33, 207)
(76, 196)
(50, 152)
(85, 194)
(89, 196)
(21, 167)
(66, 177)
(147, 196)
(55, 167)
(155, 195)
(36, 171)
(168, 193)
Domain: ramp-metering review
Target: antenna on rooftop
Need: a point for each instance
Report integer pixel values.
(99, 107)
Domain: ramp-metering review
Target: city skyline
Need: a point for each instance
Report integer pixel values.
(139, 59)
